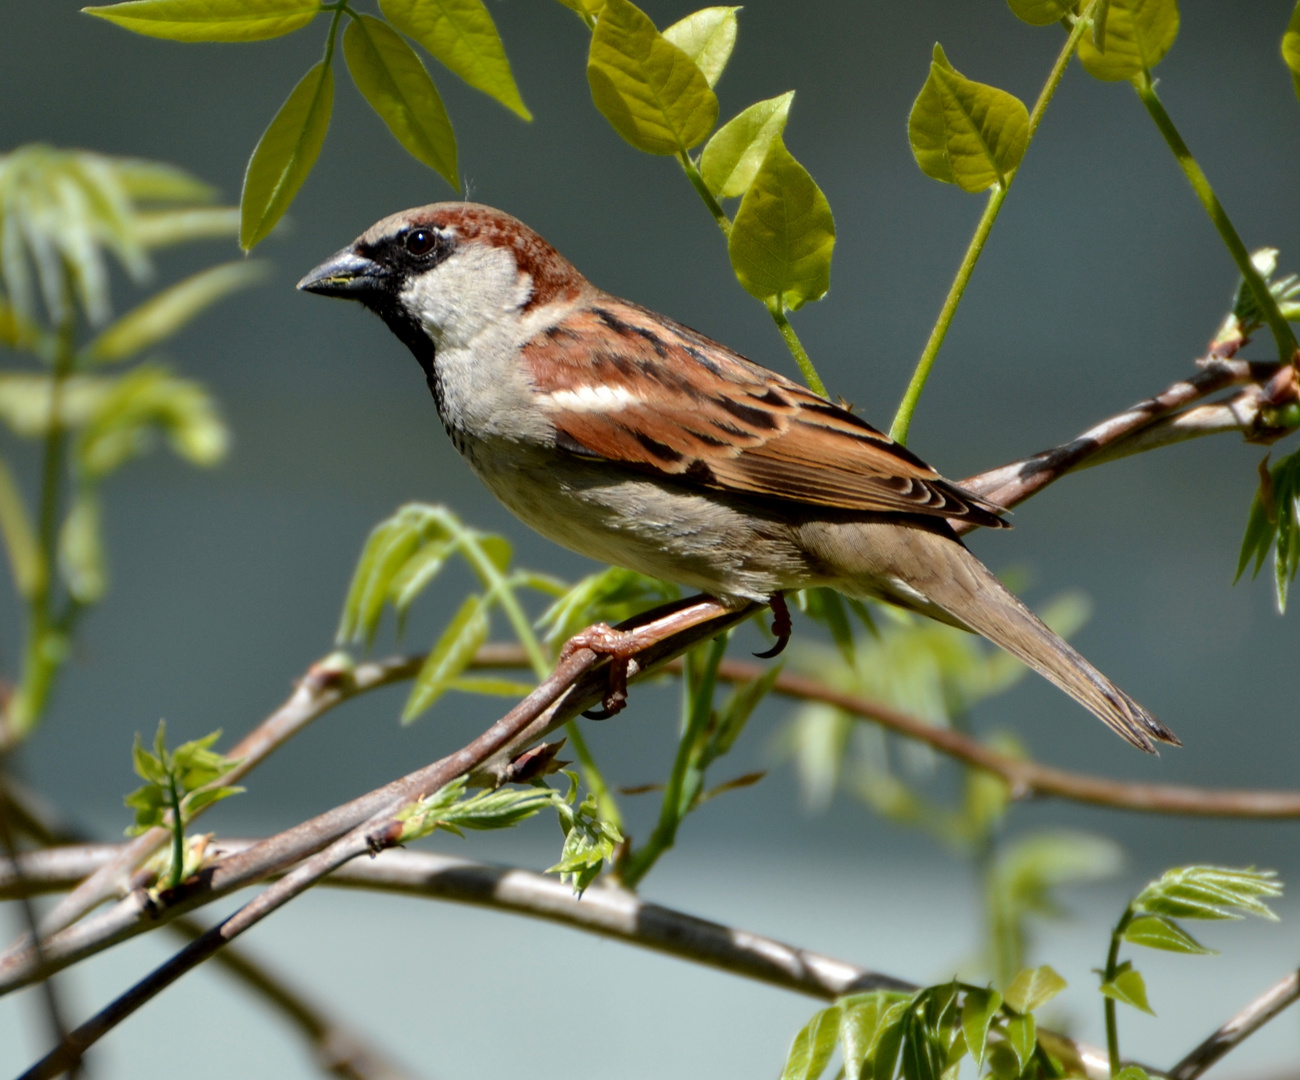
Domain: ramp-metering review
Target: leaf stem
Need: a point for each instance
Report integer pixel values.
(1112, 969)
(178, 832)
(776, 309)
(697, 182)
(1287, 347)
(907, 407)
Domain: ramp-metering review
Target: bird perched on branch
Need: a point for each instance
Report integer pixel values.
(628, 437)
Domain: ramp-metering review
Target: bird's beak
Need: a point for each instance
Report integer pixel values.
(345, 275)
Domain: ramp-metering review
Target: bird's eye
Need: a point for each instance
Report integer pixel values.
(420, 241)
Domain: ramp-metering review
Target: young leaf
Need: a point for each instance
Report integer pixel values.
(391, 77)
(887, 1043)
(1040, 12)
(210, 20)
(1022, 1037)
(162, 315)
(1157, 932)
(81, 549)
(707, 36)
(783, 237)
(1210, 892)
(588, 840)
(1034, 987)
(966, 133)
(285, 154)
(445, 809)
(813, 1046)
(1136, 36)
(731, 159)
(456, 647)
(649, 90)
(1291, 48)
(1132, 1072)
(463, 38)
(1129, 988)
(978, 1012)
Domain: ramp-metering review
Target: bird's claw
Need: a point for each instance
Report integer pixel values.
(620, 647)
(781, 626)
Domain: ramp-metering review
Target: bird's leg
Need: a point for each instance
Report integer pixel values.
(622, 645)
(781, 626)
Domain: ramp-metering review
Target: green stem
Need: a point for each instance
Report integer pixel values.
(678, 795)
(907, 407)
(334, 29)
(697, 182)
(1282, 333)
(1112, 967)
(776, 309)
(178, 833)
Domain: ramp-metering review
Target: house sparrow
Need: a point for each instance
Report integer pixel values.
(630, 438)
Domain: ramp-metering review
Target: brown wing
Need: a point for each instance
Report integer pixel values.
(670, 401)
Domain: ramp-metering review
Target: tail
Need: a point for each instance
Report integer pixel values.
(965, 590)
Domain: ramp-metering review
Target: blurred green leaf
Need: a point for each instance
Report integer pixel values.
(1041, 12)
(978, 1012)
(611, 596)
(813, 1046)
(210, 20)
(285, 155)
(783, 237)
(1022, 1037)
(25, 559)
(816, 740)
(16, 332)
(1128, 988)
(162, 228)
(966, 133)
(387, 550)
(1157, 932)
(826, 606)
(1274, 521)
(25, 401)
(508, 688)
(649, 90)
(732, 158)
(464, 39)
(165, 313)
(451, 655)
(156, 181)
(1032, 988)
(1291, 48)
(1132, 1072)
(81, 549)
(1137, 35)
(390, 76)
(411, 580)
(1210, 892)
(707, 36)
(734, 715)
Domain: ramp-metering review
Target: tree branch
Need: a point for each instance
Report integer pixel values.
(1253, 1017)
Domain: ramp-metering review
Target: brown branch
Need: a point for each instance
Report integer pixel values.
(604, 910)
(1158, 421)
(1253, 1017)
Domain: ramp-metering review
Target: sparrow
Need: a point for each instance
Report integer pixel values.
(628, 437)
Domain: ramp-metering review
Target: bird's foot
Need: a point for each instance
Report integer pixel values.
(781, 626)
(620, 646)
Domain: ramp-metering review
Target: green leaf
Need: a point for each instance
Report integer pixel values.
(732, 158)
(589, 9)
(1210, 892)
(463, 38)
(649, 90)
(1034, 987)
(415, 574)
(1137, 35)
(707, 36)
(16, 332)
(588, 840)
(1275, 520)
(452, 654)
(966, 133)
(1158, 932)
(25, 559)
(888, 1040)
(1022, 1037)
(161, 228)
(1291, 48)
(391, 77)
(284, 155)
(783, 237)
(161, 316)
(1040, 12)
(210, 20)
(826, 606)
(1129, 988)
(494, 687)
(813, 1046)
(81, 549)
(609, 596)
(1132, 1072)
(978, 1012)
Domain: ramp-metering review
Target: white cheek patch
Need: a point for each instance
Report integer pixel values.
(464, 295)
(591, 399)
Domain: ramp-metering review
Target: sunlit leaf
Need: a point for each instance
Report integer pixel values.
(649, 90)
(1041, 12)
(707, 36)
(451, 655)
(1138, 33)
(285, 155)
(162, 315)
(388, 550)
(463, 38)
(210, 20)
(978, 1012)
(1022, 1037)
(81, 550)
(1129, 988)
(731, 159)
(813, 1046)
(1157, 932)
(783, 237)
(1210, 892)
(391, 77)
(966, 133)
(1034, 987)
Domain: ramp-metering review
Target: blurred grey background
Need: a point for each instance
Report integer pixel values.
(1102, 282)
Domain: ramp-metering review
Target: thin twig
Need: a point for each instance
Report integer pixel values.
(1253, 1017)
